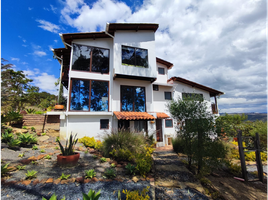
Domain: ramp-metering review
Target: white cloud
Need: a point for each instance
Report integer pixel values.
(24, 41)
(90, 17)
(29, 8)
(56, 41)
(48, 26)
(25, 45)
(220, 44)
(24, 63)
(42, 80)
(40, 53)
(17, 59)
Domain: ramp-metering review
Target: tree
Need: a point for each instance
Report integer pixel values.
(17, 87)
(197, 131)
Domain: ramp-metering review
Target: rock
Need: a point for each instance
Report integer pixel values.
(43, 138)
(32, 158)
(108, 159)
(151, 179)
(119, 179)
(56, 181)
(40, 157)
(50, 180)
(79, 179)
(135, 179)
(94, 179)
(87, 180)
(64, 182)
(26, 182)
(25, 161)
(12, 168)
(100, 169)
(35, 182)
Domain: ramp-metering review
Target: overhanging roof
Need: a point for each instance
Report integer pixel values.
(164, 62)
(133, 116)
(161, 115)
(211, 91)
(112, 27)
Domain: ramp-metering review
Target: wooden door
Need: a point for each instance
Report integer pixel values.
(159, 134)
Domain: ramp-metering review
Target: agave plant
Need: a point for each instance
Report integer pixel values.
(4, 169)
(30, 111)
(68, 150)
(25, 138)
(14, 142)
(6, 136)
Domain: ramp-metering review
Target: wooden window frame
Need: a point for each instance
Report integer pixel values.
(90, 67)
(107, 125)
(134, 100)
(171, 123)
(170, 95)
(135, 55)
(89, 102)
(161, 68)
(157, 87)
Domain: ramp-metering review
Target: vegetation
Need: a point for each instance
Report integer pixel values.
(196, 132)
(47, 157)
(90, 142)
(32, 129)
(5, 169)
(92, 195)
(90, 173)
(27, 138)
(30, 174)
(14, 143)
(35, 147)
(53, 197)
(103, 159)
(110, 173)
(42, 151)
(130, 168)
(21, 155)
(7, 136)
(68, 150)
(136, 195)
(113, 165)
(64, 177)
(20, 167)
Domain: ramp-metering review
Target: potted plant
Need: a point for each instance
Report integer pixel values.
(61, 99)
(68, 157)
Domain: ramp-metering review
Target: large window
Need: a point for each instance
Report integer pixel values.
(140, 126)
(92, 59)
(89, 95)
(133, 98)
(194, 96)
(134, 56)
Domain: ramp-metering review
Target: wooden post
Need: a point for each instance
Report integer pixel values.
(258, 157)
(242, 155)
(44, 123)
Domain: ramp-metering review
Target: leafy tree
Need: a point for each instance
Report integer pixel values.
(197, 131)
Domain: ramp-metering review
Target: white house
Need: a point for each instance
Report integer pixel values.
(114, 80)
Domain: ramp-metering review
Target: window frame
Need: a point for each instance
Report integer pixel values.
(125, 64)
(90, 66)
(171, 123)
(157, 87)
(134, 99)
(89, 102)
(107, 124)
(163, 70)
(170, 95)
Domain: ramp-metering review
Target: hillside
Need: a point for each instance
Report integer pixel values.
(252, 116)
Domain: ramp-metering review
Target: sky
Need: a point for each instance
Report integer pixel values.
(219, 44)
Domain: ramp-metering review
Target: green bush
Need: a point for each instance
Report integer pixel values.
(177, 144)
(144, 161)
(27, 138)
(88, 141)
(136, 195)
(125, 140)
(7, 137)
(14, 143)
(12, 117)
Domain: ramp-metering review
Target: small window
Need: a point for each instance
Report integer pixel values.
(168, 95)
(104, 124)
(155, 87)
(169, 123)
(161, 70)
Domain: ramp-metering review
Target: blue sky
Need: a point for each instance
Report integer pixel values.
(220, 44)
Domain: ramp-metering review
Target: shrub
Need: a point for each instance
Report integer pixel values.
(87, 141)
(110, 173)
(144, 161)
(235, 169)
(90, 173)
(135, 195)
(13, 117)
(64, 177)
(98, 144)
(92, 195)
(27, 138)
(14, 143)
(7, 137)
(30, 111)
(4, 169)
(30, 174)
(123, 139)
(122, 154)
(177, 144)
(130, 168)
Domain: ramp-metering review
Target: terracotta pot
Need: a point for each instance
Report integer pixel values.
(59, 107)
(70, 160)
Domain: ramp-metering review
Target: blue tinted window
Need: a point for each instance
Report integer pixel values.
(99, 96)
(133, 98)
(80, 95)
(168, 123)
(135, 56)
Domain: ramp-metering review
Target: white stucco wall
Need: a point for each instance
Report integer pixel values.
(139, 39)
(159, 100)
(161, 78)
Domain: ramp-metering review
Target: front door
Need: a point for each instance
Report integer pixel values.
(159, 134)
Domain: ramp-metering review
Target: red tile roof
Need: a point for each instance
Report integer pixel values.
(162, 115)
(133, 115)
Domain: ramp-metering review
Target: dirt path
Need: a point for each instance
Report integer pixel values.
(172, 179)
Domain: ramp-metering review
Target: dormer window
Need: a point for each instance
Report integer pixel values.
(136, 57)
(161, 70)
(91, 59)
